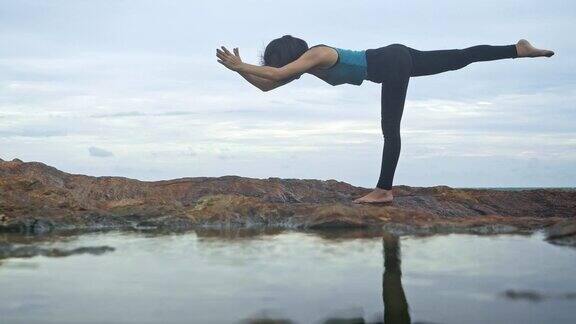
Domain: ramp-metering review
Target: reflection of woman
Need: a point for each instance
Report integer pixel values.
(395, 304)
(287, 58)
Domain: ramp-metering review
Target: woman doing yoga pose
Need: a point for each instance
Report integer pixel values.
(287, 58)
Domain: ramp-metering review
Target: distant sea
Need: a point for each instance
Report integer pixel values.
(518, 188)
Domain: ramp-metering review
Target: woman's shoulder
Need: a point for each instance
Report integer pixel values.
(323, 48)
(326, 55)
(320, 45)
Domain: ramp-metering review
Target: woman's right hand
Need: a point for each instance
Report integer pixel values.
(229, 60)
(237, 53)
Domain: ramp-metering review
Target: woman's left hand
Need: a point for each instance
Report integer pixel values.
(229, 60)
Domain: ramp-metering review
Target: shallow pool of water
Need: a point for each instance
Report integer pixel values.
(233, 277)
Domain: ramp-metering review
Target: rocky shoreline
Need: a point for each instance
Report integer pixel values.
(37, 198)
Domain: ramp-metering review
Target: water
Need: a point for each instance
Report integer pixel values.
(212, 277)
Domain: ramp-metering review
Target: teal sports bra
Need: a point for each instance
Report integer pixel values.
(350, 67)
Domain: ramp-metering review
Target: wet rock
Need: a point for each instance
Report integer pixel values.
(562, 233)
(535, 296)
(8, 250)
(36, 198)
(523, 295)
(445, 228)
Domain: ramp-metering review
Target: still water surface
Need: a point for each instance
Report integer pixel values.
(213, 277)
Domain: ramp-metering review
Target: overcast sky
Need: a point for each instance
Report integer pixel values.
(132, 88)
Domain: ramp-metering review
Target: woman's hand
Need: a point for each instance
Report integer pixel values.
(229, 60)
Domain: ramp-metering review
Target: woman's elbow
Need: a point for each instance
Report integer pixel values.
(264, 87)
(276, 77)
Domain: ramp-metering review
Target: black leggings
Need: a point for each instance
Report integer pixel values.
(393, 65)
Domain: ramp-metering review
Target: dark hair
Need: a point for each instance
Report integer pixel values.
(283, 50)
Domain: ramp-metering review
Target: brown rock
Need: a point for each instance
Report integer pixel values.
(562, 233)
(37, 197)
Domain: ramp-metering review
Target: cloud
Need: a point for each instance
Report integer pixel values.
(100, 73)
(32, 133)
(98, 152)
(119, 114)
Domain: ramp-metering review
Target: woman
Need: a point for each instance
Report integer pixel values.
(287, 58)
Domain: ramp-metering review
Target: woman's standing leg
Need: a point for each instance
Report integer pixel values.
(393, 96)
(394, 68)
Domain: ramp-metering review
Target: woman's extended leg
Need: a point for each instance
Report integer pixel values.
(438, 61)
(434, 62)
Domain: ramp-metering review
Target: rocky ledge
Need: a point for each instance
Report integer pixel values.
(35, 197)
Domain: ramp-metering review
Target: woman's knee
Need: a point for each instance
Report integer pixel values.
(462, 58)
(390, 131)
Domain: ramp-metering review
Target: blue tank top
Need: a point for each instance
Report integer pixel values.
(350, 67)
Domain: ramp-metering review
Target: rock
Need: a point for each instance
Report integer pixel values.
(35, 198)
(562, 233)
(561, 229)
(8, 250)
(535, 296)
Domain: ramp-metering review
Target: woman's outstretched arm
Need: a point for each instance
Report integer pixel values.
(261, 83)
(304, 63)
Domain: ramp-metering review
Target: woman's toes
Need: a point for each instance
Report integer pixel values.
(362, 200)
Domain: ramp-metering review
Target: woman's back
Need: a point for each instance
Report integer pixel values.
(350, 67)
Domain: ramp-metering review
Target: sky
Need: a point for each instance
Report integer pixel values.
(133, 89)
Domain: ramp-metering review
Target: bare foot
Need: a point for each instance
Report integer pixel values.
(376, 196)
(525, 49)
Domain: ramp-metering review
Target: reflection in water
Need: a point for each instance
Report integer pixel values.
(535, 296)
(393, 296)
(395, 304)
(271, 276)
